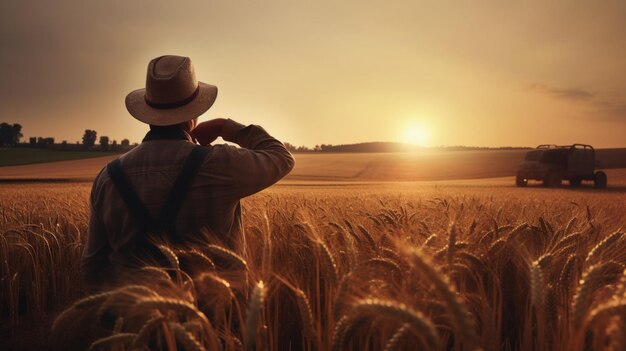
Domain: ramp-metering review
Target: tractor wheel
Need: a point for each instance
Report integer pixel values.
(575, 182)
(600, 180)
(553, 180)
(520, 181)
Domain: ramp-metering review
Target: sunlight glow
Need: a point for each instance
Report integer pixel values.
(415, 134)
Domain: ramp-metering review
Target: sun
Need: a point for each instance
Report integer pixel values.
(415, 134)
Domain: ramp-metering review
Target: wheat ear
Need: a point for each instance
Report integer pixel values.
(615, 307)
(227, 255)
(385, 263)
(344, 328)
(537, 287)
(185, 338)
(395, 339)
(590, 281)
(170, 255)
(329, 261)
(157, 272)
(601, 246)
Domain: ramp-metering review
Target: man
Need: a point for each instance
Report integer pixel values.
(168, 187)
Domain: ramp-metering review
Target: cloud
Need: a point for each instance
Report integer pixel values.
(574, 94)
(600, 106)
(611, 109)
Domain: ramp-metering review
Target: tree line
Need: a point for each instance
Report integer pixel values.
(11, 135)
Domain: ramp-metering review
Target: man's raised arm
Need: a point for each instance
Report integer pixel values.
(260, 162)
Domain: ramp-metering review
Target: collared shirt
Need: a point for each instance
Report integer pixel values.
(227, 175)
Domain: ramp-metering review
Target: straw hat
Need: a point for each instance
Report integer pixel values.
(172, 95)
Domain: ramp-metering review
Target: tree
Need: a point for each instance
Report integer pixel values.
(89, 138)
(42, 142)
(303, 148)
(125, 143)
(17, 134)
(104, 142)
(33, 141)
(326, 147)
(10, 134)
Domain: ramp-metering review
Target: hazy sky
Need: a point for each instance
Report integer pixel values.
(485, 73)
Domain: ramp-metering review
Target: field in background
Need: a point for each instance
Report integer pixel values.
(339, 265)
(24, 156)
(424, 165)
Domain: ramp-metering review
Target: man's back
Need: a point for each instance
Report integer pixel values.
(226, 175)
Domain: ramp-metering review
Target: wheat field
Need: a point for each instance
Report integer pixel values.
(382, 266)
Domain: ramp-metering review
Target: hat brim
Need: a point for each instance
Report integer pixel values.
(138, 107)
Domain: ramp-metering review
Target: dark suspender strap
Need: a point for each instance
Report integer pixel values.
(137, 210)
(169, 211)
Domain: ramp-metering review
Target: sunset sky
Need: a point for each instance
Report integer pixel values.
(482, 73)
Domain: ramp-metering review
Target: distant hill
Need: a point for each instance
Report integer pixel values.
(383, 146)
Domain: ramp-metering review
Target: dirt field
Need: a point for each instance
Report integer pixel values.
(426, 165)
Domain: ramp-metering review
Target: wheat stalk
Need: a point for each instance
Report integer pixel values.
(252, 317)
(617, 334)
(463, 321)
(401, 312)
(367, 235)
(451, 242)
(146, 329)
(169, 304)
(121, 338)
(306, 314)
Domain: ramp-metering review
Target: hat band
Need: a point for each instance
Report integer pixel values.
(173, 104)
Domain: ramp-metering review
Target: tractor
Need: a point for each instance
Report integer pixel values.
(552, 164)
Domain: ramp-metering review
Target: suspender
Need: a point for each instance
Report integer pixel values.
(169, 212)
(166, 220)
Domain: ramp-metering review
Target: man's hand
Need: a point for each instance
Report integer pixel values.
(206, 132)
